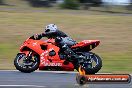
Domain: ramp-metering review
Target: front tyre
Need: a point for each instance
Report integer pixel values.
(23, 64)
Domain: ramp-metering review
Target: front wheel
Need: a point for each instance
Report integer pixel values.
(26, 65)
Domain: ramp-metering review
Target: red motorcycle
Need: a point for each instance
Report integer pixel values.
(45, 55)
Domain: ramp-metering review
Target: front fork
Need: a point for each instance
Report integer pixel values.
(28, 55)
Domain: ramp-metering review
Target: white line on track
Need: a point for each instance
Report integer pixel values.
(21, 86)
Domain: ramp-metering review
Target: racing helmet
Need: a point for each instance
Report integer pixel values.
(50, 28)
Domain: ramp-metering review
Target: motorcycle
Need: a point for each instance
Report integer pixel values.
(46, 55)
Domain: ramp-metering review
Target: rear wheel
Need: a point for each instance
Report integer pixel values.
(26, 65)
(91, 64)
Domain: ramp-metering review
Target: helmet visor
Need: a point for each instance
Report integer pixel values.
(47, 30)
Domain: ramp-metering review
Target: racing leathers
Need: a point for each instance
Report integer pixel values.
(61, 39)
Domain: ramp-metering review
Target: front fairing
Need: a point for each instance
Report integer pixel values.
(33, 45)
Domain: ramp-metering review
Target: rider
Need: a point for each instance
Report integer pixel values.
(61, 39)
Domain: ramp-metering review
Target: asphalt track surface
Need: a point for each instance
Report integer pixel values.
(41, 79)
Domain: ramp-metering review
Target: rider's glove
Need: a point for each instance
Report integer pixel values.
(36, 36)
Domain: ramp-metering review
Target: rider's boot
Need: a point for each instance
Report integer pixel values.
(65, 48)
(68, 51)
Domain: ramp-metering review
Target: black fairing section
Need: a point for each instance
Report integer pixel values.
(43, 47)
(26, 49)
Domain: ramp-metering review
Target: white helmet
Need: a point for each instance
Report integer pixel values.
(50, 28)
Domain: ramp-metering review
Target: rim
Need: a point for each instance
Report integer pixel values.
(26, 63)
(91, 61)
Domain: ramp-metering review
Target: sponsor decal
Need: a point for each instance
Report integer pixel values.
(35, 44)
(46, 62)
(53, 64)
(45, 53)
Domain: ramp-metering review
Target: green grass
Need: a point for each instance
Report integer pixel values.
(117, 63)
(114, 32)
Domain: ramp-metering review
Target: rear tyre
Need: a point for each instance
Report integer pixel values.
(89, 67)
(97, 67)
(24, 65)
